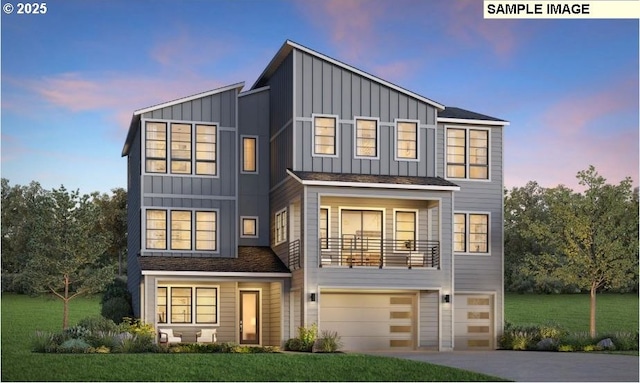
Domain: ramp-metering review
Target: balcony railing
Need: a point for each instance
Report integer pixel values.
(362, 251)
(294, 255)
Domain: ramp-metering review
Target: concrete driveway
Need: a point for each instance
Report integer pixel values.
(534, 366)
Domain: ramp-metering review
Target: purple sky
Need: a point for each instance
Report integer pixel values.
(71, 78)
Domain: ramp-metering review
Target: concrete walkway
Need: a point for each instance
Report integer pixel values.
(534, 366)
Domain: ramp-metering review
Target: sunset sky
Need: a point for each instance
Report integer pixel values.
(71, 78)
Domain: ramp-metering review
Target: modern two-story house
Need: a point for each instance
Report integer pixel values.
(322, 194)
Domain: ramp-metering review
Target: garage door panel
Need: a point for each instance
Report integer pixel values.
(473, 322)
(357, 314)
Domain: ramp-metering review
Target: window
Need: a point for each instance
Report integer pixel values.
(156, 232)
(362, 229)
(180, 305)
(206, 230)
(181, 148)
(180, 230)
(324, 228)
(468, 153)
(249, 154)
(249, 227)
(185, 301)
(206, 150)
(156, 147)
(281, 226)
(324, 136)
(407, 140)
(366, 140)
(405, 234)
(471, 233)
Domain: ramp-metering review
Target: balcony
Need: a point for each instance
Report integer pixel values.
(294, 255)
(352, 251)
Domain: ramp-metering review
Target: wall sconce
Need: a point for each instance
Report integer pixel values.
(446, 298)
(312, 297)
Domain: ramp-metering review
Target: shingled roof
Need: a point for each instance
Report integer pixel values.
(251, 259)
(463, 114)
(372, 179)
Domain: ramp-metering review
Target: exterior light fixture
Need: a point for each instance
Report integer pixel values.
(312, 297)
(446, 298)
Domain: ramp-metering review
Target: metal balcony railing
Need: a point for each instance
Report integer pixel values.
(294, 255)
(350, 251)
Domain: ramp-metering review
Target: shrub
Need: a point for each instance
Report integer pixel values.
(293, 344)
(76, 346)
(624, 341)
(307, 337)
(116, 289)
(76, 332)
(99, 350)
(133, 343)
(43, 341)
(565, 348)
(116, 309)
(136, 326)
(98, 323)
(329, 341)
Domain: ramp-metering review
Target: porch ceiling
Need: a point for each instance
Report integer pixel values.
(251, 259)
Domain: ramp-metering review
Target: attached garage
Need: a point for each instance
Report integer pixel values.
(474, 322)
(370, 321)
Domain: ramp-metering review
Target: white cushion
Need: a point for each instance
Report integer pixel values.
(207, 335)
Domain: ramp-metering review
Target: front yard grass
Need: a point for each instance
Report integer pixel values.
(22, 316)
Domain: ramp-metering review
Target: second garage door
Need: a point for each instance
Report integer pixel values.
(369, 321)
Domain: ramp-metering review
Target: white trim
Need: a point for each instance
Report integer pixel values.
(467, 154)
(254, 217)
(189, 98)
(416, 227)
(494, 323)
(355, 137)
(276, 240)
(214, 274)
(359, 72)
(252, 91)
(256, 154)
(168, 211)
(320, 207)
(467, 213)
(363, 209)
(193, 286)
(373, 185)
(336, 142)
(473, 122)
(395, 140)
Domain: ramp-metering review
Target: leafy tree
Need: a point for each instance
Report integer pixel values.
(595, 237)
(65, 247)
(113, 224)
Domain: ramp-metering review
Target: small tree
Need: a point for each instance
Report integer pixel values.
(65, 249)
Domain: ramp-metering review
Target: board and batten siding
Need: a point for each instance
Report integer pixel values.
(253, 188)
(288, 192)
(217, 108)
(133, 223)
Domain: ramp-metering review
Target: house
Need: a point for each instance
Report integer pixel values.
(322, 194)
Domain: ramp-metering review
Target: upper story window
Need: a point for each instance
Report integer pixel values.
(249, 227)
(366, 138)
(324, 136)
(181, 230)
(471, 233)
(281, 226)
(249, 154)
(406, 140)
(324, 227)
(180, 156)
(468, 153)
(156, 147)
(405, 230)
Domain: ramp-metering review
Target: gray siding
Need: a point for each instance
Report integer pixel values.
(280, 198)
(253, 189)
(428, 326)
(280, 118)
(133, 223)
(218, 108)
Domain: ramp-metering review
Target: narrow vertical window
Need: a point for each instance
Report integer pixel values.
(405, 234)
(324, 135)
(406, 140)
(206, 305)
(249, 227)
(249, 154)
(460, 233)
(324, 228)
(206, 230)
(162, 305)
(478, 233)
(181, 148)
(456, 153)
(181, 305)
(206, 150)
(366, 138)
(156, 147)
(479, 154)
(180, 230)
(156, 229)
(281, 226)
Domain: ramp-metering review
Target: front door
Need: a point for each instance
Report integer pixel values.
(249, 317)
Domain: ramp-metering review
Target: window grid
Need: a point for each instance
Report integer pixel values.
(206, 305)
(156, 147)
(456, 153)
(468, 153)
(405, 234)
(324, 228)
(366, 138)
(460, 232)
(180, 230)
(281, 226)
(407, 140)
(181, 305)
(162, 305)
(156, 229)
(181, 148)
(471, 233)
(206, 230)
(324, 136)
(478, 154)
(206, 140)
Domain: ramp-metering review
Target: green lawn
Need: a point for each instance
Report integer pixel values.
(21, 316)
(614, 312)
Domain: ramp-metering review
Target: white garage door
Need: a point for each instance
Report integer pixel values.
(473, 322)
(370, 321)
